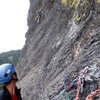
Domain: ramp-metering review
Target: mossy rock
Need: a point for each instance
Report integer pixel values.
(79, 18)
(82, 11)
(74, 3)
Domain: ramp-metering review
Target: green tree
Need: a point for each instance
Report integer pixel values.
(10, 57)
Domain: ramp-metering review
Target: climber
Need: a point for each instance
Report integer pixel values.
(37, 19)
(8, 78)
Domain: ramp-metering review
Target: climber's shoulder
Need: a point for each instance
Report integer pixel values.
(1, 94)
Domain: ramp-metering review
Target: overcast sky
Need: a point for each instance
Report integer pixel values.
(13, 24)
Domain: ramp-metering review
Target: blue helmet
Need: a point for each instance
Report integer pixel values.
(6, 72)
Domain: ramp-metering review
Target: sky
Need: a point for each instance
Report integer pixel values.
(13, 24)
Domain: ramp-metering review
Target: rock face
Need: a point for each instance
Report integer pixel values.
(66, 40)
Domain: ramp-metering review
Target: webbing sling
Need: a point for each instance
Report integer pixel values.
(59, 94)
(65, 90)
(67, 97)
(69, 86)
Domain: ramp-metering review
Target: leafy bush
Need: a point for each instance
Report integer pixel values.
(10, 57)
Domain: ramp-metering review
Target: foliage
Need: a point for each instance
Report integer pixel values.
(83, 12)
(10, 57)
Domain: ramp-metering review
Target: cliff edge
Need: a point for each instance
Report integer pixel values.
(64, 42)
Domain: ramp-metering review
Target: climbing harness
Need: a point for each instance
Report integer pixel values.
(79, 81)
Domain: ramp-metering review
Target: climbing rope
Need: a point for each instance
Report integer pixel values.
(90, 96)
(67, 87)
(78, 88)
(67, 97)
(61, 93)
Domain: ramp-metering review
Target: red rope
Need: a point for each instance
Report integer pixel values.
(78, 89)
(90, 96)
(69, 86)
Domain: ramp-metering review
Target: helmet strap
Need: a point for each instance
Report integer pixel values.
(14, 79)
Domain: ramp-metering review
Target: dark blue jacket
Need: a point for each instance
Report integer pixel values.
(5, 95)
(39, 14)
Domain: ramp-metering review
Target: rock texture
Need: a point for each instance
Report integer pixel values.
(66, 40)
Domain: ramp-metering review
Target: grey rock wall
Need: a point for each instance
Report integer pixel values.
(66, 40)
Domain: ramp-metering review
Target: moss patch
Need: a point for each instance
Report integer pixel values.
(79, 18)
(82, 11)
(98, 1)
(74, 3)
(64, 2)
